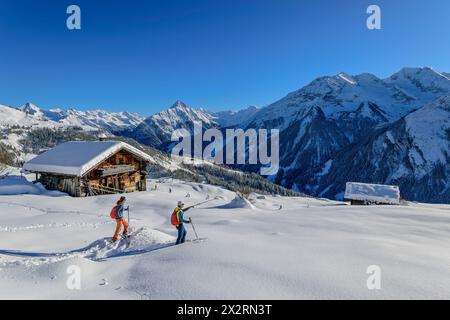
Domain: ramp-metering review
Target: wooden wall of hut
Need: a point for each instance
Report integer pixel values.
(67, 184)
(129, 173)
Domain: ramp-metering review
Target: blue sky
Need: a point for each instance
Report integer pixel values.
(220, 54)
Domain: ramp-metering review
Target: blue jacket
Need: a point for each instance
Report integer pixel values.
(119, 212)
(180, 216)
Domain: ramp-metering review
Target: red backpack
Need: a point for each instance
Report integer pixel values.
(113, 213)
(174, 217)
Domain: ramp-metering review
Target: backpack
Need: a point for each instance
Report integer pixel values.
(174, 217)
(113, 213)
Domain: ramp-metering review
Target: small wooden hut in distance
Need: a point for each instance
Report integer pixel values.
(88, 168)
(371, 194)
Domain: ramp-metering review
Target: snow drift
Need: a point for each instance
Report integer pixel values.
(238, 203)
(13, 185)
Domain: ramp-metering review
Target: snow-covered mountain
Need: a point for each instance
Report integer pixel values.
(33, 111)
(95, 119)
(334, 116)
(321, 122)
(17, 125)
(234, 118)
(157, 129)
(342, 95)
(30, 115)
(424, 83)
(10, 117)
(330, 119)
(413, 152)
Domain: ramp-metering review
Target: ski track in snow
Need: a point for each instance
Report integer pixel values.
(53, 225)
(142, 241)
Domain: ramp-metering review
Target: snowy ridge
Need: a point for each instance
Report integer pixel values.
(13, 117)
(157, 130)
(30, 115)
(178, 115)
(398, 95)
(97, 119)
(347, 78)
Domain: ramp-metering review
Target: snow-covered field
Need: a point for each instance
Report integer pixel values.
(272, 248)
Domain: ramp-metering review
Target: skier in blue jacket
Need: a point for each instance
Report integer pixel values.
(178, 220)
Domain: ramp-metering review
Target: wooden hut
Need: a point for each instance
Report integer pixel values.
(87, 168)
(371, 194)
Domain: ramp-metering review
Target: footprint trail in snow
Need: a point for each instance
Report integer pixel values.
(141, 241)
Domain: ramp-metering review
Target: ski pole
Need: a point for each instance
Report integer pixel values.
(193, 228)
(197, 204)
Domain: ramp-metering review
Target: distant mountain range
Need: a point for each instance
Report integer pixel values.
(335, 129)
(157, 129)
(30, 115)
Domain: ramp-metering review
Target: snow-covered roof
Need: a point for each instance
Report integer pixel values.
(76, 158)
(372, 192)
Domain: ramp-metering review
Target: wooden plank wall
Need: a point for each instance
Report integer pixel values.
(129, 182)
